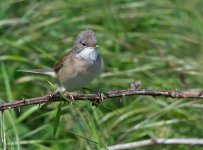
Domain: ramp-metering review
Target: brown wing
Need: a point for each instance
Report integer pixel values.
(58, 65)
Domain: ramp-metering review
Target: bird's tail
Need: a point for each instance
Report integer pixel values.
(49, 72)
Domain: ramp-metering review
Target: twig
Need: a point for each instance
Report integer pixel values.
(96, 97)
(156, 142)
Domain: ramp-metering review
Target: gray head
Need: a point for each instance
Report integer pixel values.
(85, 38)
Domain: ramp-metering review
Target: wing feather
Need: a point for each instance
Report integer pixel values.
(59, 64)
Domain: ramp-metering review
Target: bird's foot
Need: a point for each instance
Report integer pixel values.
(70, 96)
(64, 96)
(135, 85)
(99, 94)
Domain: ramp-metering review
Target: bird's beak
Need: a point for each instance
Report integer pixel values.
(95, 47)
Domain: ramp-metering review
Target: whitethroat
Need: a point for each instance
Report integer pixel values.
(77, 67)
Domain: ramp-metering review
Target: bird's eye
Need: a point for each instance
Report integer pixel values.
(83, 43)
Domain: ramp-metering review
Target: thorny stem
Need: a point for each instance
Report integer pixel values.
(105, 95)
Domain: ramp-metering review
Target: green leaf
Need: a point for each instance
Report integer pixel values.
(56, 121)
(6, 82)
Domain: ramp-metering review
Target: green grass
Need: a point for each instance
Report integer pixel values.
(157, 42)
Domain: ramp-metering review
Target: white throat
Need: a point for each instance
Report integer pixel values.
(88, 54)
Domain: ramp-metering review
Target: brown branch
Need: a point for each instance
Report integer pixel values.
(96, 97)
(149, 142)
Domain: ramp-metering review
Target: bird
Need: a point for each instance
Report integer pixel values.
(79, 66)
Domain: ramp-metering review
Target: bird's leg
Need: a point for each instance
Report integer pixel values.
(63, 95)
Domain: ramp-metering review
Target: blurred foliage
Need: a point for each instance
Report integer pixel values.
(158, 42)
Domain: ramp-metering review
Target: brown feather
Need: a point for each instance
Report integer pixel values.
(59, 64)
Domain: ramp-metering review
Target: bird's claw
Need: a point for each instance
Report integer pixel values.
(134, 85)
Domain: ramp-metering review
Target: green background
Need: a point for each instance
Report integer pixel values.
(158, 42)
